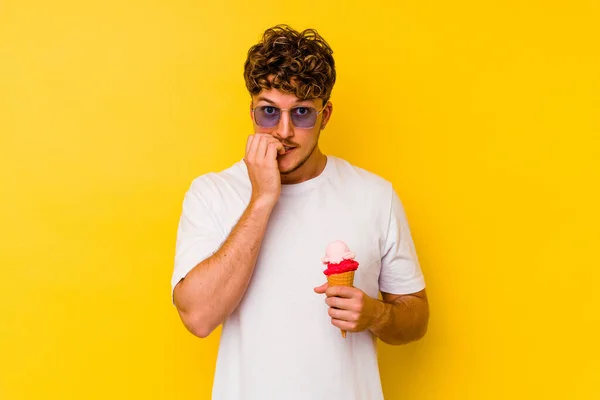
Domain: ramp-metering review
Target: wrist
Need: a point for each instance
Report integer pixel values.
(262, 203)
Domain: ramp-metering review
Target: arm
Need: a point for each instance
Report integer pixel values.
(398, 319)
(213, 289)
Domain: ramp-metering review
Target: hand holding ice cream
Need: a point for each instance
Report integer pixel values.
(350, 308)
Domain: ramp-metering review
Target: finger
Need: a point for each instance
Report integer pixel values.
(270, 138)
(261, 148)
(263, 135)
(347, 292)
(278, 146)
(344, 325)
(251, 138)
(340, 303)
(343, 315)
(321, 289)
(272, 150)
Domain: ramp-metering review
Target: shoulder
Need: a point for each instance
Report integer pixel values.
(359, 178)
(214, 184)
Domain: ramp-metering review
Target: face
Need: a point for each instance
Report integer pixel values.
(302, 157)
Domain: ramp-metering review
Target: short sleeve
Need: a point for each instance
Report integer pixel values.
(400, 269)
(198, 234)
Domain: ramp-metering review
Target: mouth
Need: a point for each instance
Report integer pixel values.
(288, 150)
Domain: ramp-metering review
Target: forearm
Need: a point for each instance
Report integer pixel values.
(402, 321)
(214, 288)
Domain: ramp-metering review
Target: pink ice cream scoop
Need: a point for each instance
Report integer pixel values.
(339, 259)
(336, 252)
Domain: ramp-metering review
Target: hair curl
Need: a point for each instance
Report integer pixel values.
(293, 62)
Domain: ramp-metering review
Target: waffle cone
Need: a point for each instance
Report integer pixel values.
(343, 279)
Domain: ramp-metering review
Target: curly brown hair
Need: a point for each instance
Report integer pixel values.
(293, 62)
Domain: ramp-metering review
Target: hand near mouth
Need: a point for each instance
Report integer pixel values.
(261, 160)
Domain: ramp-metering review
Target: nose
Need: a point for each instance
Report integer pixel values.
(285, 128)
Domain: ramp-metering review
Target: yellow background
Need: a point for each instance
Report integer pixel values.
(484, 115)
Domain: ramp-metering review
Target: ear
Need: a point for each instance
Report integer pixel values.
(326, 114)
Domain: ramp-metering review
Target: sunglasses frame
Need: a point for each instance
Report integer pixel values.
(291, 119)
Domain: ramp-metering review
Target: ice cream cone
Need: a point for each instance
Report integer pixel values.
(343, 279)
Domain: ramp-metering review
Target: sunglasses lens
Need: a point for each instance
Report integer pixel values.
(267, 116)
(304, 117)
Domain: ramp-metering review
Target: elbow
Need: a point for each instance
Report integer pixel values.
(422, 326)
(413, 333)
(421, 323)
(403, 338)
(195, 319)
(420, 334)
(199, 327)
(197, 324)
(200, 331)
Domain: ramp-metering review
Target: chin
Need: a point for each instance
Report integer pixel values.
(286, 170)
(287, 166)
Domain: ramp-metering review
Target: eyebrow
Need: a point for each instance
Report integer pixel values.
(272, 102)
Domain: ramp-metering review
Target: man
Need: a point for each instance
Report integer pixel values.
(251, 239)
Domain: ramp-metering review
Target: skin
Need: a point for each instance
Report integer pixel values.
(396, 319)
(285, 154)
(306, 160)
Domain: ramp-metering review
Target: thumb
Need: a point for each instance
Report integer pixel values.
(321, 289)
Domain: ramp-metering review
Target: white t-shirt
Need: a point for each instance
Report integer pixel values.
(279, 343)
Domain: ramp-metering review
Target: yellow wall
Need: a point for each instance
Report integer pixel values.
(484, 115)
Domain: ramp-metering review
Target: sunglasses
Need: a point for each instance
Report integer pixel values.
(302, 117)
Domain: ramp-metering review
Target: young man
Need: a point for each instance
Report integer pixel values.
(251, 239)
